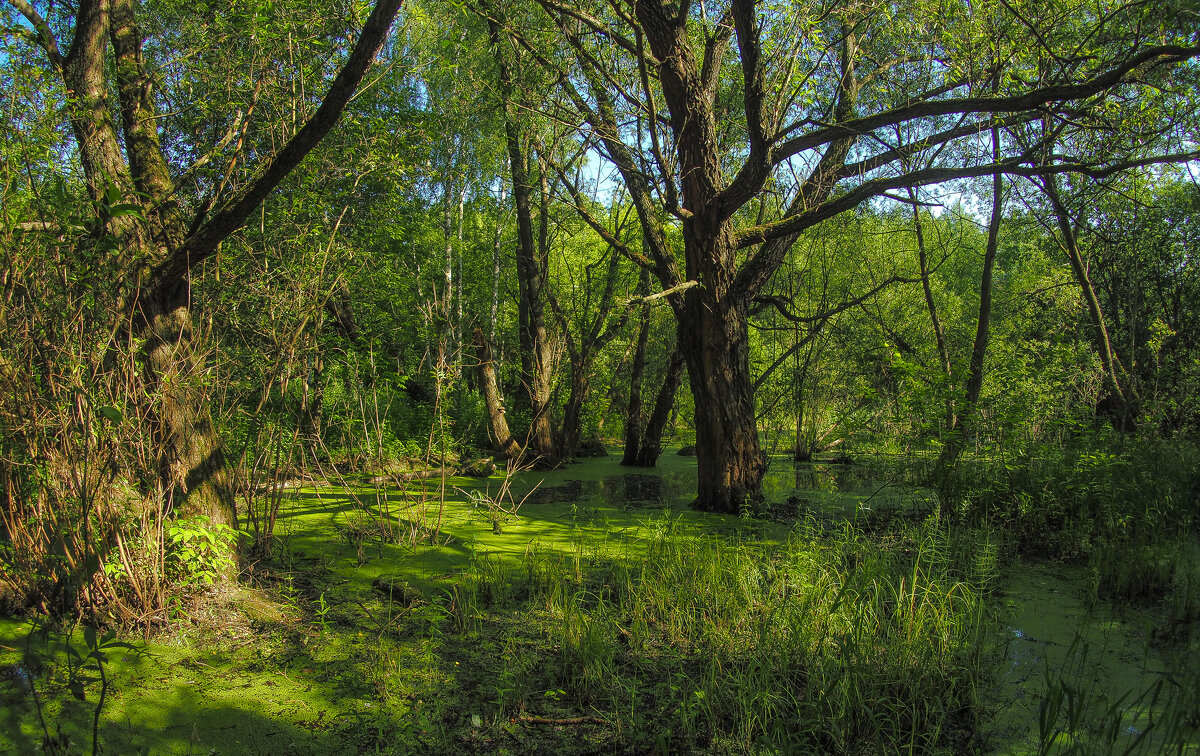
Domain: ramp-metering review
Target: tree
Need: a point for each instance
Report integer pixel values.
(537, 361)
(158, 238)
(745, 124)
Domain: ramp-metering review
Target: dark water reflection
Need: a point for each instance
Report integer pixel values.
(626, 490)
(826, 489)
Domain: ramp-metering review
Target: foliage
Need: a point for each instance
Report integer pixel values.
(200, 551)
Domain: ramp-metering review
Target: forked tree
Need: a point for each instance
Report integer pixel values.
(735, 126)
(113, 113)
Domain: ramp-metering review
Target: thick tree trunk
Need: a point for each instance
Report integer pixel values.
(155, 251)
(572, 422)
(651, 443)
(714, 340)
(191, 463)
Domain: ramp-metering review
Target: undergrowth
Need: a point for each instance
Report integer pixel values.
(819, 644)
(690, 643)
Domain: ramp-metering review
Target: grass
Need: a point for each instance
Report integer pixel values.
(600, 616)
(1122, 511)
(603, 624)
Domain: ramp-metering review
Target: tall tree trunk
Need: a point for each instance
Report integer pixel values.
(714, 340)
(633, 412)
(536, 353)
(191, 462)
(572, 421)
(939, 333)
(1121, 401)
(494, 310)
(967, 418)
(446, 306)
(157, 250)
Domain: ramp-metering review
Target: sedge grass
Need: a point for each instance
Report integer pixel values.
(821, 643)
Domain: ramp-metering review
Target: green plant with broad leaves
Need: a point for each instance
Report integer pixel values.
(200, 550)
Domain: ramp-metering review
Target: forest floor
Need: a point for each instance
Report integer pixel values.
(590, 611)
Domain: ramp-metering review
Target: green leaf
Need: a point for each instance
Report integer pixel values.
(111, 413)
(123, 209)
(112, 195)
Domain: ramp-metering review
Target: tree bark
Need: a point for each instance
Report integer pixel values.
(572, 420)
(966, 420)
(1120, 403)
(506, 446)
(939, 333)
(156, 249)
(633, 412)
(190, 456)
(651, 444)
(536, 353)
(714, 340)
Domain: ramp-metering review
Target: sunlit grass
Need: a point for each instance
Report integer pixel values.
(814, 643)
(605, 623)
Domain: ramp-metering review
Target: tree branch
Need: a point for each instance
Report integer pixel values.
(230, 216)
(635, 301)
(1016, 166)
(42, 35)
(1036, 98)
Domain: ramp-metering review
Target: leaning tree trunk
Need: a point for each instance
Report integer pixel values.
(155, 249)
(965, 421)
(1121, 403)
(651, 442)
(506, 446)
(935, 320)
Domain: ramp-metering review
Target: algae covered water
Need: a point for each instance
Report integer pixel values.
(589, 610)
(1063, 655)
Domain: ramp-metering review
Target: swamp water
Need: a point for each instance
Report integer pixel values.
(1068, 663)
(318, 683)
(1092, 665)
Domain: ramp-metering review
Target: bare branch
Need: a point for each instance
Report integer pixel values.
(1116, 74)
(666, 293)
(41, 35)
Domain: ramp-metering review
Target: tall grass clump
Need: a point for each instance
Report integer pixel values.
(819, 644)
(1075, 716)
(1124, 507)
